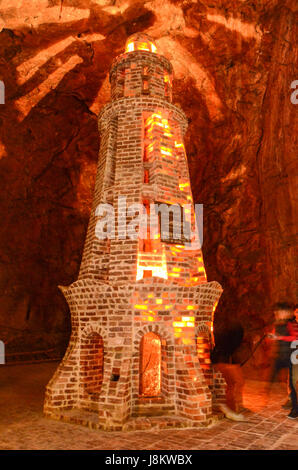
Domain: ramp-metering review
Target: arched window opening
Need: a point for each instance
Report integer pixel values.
(92, 363)
(150, 365)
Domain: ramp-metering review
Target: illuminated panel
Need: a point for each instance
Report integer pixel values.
(184, 329)
(130, 47)
(156, 263)
(136, 45)
(150, 365)
(143, 46)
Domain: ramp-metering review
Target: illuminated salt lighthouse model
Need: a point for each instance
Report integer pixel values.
(141, 310)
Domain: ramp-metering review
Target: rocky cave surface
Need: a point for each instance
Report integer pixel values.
(234, 62)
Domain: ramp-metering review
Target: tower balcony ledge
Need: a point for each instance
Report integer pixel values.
(141, 103)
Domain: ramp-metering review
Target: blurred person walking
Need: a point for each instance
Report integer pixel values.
(286, 332)
(222, 357)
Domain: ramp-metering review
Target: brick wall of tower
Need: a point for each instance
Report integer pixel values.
(94, 263)
(122, 123)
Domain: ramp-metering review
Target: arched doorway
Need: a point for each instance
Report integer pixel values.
(92, 363)
(150, 365)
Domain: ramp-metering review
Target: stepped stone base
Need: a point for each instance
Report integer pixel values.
(90, 420)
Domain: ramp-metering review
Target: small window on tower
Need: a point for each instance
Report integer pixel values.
(167, 82)
(145, 86)
(146, 176)
(145, 77)
(120, 83)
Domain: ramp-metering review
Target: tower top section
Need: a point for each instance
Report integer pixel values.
(141, 70)
(140, 42)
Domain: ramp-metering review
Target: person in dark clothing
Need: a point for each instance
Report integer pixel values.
(226, 344)
(293, 330)
(286, 331)
(283, 347)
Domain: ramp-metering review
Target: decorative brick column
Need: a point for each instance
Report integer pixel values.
(130, 291)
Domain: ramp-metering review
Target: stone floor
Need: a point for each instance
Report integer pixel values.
(22, 425)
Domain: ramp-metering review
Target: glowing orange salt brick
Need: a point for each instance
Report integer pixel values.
(141, 307)
(190, 307)
(177, 270)
(130, 47)
(166, 151)
(159, 301)
(178, 324)
(153, 48)
(188, 319)
(186, 340)
(143, 46)
(178, 145)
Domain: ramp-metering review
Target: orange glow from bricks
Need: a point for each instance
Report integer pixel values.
(143, 46)
(141, 307)
(130, 47)
(182, 186)
(140, 46)
(185, 322)
(166, 151)
(144, 263)
(177, 145)
(159, 145)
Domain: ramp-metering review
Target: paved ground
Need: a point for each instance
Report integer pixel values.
(22, 425)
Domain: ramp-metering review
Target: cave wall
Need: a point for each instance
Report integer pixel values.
(234, 63)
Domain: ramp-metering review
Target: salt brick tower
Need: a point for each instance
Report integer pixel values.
(141, 310)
